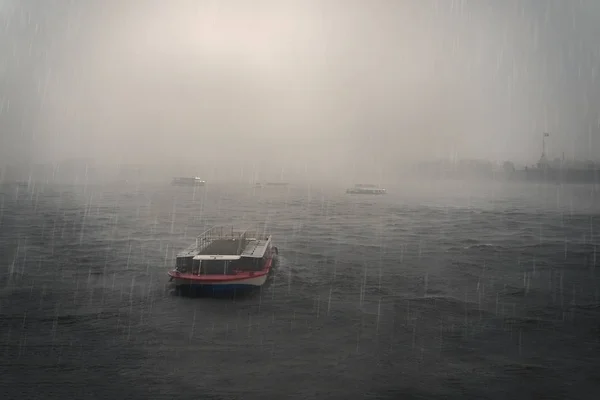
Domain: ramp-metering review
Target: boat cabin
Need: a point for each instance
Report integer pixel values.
(220, 251)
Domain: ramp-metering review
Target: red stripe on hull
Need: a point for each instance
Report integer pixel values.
(224, 278)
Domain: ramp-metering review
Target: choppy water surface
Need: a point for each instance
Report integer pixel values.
(444, 290)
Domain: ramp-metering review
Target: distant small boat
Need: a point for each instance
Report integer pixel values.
(183, 181)
(366, 188)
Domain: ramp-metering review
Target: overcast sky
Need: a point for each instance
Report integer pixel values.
(329, 83)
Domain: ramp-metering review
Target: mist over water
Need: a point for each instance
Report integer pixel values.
(332, 84)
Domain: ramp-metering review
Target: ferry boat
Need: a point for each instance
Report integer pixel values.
(183, 181)
(364, 188)
(226, 259)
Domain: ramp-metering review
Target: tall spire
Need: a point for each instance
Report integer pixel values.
(543, 160)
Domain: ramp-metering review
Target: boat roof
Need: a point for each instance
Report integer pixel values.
(216, 257)
(227, 243)
(256, 248)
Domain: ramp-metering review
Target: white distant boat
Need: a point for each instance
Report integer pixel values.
(184, 181)
(366, 188)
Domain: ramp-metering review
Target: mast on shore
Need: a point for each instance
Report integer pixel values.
(543, 160)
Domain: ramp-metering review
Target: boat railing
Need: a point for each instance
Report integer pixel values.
(226, 232)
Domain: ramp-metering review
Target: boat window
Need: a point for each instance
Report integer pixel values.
(247, 264)
(214, 267)
(196, 267)
(184, 264)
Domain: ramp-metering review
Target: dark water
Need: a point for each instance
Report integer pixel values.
(434, 291)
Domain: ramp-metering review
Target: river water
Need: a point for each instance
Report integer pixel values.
(436, 290)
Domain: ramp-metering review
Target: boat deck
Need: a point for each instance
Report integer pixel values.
(225, 242)
(232, 247)
(255, 248)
